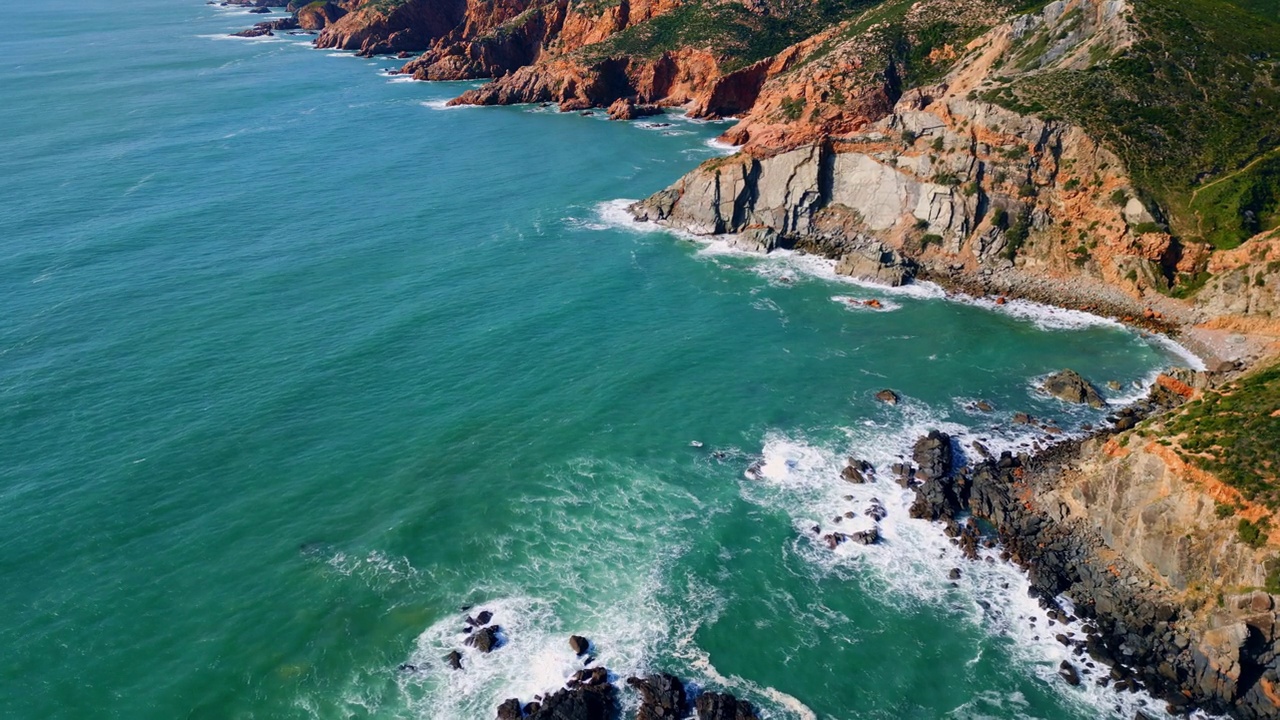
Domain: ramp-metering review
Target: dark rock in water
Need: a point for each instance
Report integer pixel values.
(876, 510)
(866, 537)
(579, 644)
(510, 710)
(932, 455)
(407, 668)
(1069, 386)
(954, 574)
(888, 396)
(485, 639)
(941, 495)
(983, 406)
(454, 658)
(532, 707)
(260, 11)
(903, 474)
(834, 539)
(254, 32)
(1021, 418)
(484, 617)
(580, 702)
(723, 706)
(1068, 673)
(591, 676)
(661, 697)
(857, 471)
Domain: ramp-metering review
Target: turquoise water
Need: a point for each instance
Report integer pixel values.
(294, 363)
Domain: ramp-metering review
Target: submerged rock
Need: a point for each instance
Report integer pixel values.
(888, 397)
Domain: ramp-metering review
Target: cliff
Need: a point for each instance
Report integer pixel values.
(1172, 570)
(914, 130)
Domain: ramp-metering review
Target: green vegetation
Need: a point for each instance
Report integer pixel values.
(1188, 284)
(1191, 107)
(1235, 434)
(1224, 510)
(1273, 576)
(1017, 235)
(1251, 533)
(793, 108)
(739, 36)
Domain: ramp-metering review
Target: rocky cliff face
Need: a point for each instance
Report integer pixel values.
(937, 172)
(1170, 597)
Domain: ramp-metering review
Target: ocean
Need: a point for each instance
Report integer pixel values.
(295, 363)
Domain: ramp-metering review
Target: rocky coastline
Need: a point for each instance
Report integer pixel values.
(939, 183)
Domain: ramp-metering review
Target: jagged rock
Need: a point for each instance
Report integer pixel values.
(485, 639)
(932, 455)
(454, 658)
(870, 536)
(483, 618)
(888, 397)
(579, 644)
(627, 109)
(1069, 386)
(662, 697)
(510, 710)
(857, 471)
(590, 701)
(723, 706)
(876, 510)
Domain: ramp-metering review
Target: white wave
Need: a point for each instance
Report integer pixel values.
(229, 36)
(1045, 317)
(443, 104)
(859, 304)
(722, 147)
(1176, 350)
(914, 557)
(402, 79)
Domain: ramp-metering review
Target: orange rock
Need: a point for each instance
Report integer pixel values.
(1175, 385)
(873, 303)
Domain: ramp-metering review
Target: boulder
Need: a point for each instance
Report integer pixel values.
(662, 697)
(485, 639)
(510, 710)
(757, 240)
(932, 455)
(627, 109)
(454, 658)
(878, 264)
(857, 471)
(1068, 673)
(870, 536)
(1070, 387)
(888, 397)
(579, 644)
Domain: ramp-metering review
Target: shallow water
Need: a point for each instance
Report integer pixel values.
(294, 363)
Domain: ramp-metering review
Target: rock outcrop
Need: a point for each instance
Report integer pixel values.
(1133, 537)
(1067, 385)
